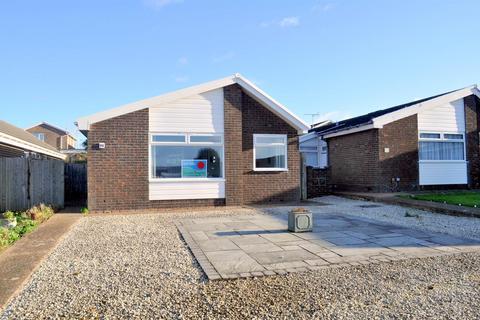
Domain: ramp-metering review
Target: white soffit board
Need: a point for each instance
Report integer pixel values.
(85, 122)
(449, 117)
(199, 113)
(10, 140)
(379, 122)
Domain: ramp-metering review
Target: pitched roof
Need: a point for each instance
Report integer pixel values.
(251, 89)
(11, 135)
(369, 118)
(54, 128)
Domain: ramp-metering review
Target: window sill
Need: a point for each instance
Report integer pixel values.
(166, 180)
(269, 170)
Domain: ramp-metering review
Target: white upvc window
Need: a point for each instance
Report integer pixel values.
(270, 152)
(183, 156)
(441, 146)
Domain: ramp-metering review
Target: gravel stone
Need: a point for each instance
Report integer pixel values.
(137, 266)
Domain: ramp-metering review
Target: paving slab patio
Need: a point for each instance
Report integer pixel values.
(260, 244)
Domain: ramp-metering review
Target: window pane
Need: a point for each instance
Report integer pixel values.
(432, 150)
(430, 135)
(308, 149)
(270, 157)
(209, 139)
(168, 138)
(167, 160)
(267, 139)
(453, 136)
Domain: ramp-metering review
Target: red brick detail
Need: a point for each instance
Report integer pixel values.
(472, 126)
(118, 174)
(401, 160)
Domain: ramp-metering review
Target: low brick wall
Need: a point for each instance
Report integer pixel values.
(317, 182)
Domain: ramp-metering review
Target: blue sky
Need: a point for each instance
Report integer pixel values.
(60, 60)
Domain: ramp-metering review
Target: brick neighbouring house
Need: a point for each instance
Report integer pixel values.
(431, 143)
(224, 142)
(54, 136)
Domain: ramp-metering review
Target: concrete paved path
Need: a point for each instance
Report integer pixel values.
(257, 245)
(18, 262)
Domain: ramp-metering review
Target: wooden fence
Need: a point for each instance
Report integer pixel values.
(76, 183)
(25, 182)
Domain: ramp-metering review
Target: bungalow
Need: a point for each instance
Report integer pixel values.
(424, 144)
(224, 142)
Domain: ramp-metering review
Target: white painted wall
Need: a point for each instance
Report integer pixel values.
(443, 172)
(202, 113)
(445, 118)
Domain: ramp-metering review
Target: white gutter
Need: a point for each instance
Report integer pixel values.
(22, 144)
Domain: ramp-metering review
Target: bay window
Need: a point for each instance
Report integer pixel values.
(270, 152)
(440, 146)
(184, 156)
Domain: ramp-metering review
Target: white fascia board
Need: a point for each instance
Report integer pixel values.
(8, 139)
(85, 122)
(307, 137)
(272, 104)
(348, 131)
(379, 122)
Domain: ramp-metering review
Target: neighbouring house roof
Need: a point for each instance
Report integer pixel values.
(59, 130)
(19, 138)
(379, 118)
(249, 88)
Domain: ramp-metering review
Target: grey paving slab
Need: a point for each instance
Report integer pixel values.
(234, 261)
(256, 245)
(283, 256)
(217, 245)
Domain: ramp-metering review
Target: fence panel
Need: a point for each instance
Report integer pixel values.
(25, 182)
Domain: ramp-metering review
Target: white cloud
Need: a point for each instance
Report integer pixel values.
(224, 57)
(181, 79)
(286, 22)
(159, 4)
(323, 7)
(289, 22)
(182, 60)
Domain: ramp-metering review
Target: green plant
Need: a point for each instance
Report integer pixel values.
(84, 211)
(9, 215)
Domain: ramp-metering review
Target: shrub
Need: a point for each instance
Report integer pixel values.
(9, 215)
(84, 210)
(41, 212)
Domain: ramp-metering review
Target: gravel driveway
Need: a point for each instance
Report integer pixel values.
(136, 266)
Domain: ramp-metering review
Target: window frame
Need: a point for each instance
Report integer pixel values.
(285, 144)
(152, 143)
(442, 139)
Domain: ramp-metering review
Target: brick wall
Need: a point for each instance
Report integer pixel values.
(262, 187)
(353, 161)
(118, 174)
(472, 126)
(232, 96)
(401, 160)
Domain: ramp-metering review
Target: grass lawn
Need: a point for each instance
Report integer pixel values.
(468, 199)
